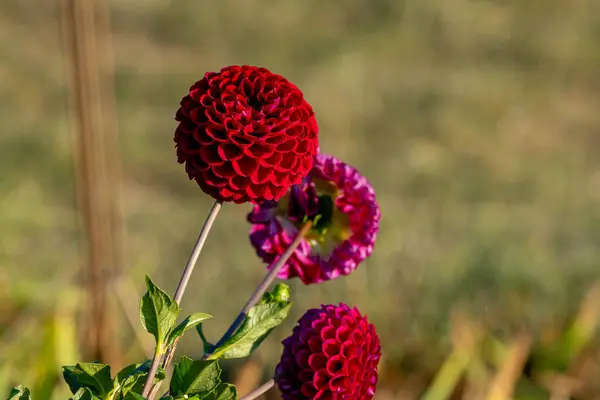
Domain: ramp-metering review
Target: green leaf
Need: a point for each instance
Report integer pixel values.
(84, 393)
(190, 322)
(224, 391)
(194, 377)
(208, 347)
(93, 376)
(261, 319)
(19, 393)
(132, 378)
(71, 378)
(158, 313)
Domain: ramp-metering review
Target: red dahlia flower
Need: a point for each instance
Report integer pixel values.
(345, 215)
(245, 134)
(332, 353)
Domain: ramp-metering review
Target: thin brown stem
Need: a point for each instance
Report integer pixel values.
(259, 390)
(266, 282)
(189, 268)
(185, 278)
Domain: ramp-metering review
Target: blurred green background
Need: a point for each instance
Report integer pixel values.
(477, 122)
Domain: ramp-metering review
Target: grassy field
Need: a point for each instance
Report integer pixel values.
(475, 120)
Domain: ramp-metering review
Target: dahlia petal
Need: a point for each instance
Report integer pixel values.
(257, 150)
(323, 395)
(211, 179)
(302, 359)
(202, 139)
(338, 383)
(229, 151)
(224, 170)
(348, 349)
(288, 145)
(315, 344)
(186, 126)
(245, 166)
(331, 347)
(308, 390)
(286, 163)
(239, 182)
(255, 191)
(317, 361)
(328, 332)
(261, 175)
(210, 155)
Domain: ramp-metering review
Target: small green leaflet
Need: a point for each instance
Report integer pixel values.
(19, 393)
(71, 378)
(194, 377)
(281, 292)
(84, 394)
(188, 323)
(224, 391)
(259, 322)
(93, 376)
(158, 313)
(132, 378)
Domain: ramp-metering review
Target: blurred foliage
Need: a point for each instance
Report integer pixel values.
(475, 120)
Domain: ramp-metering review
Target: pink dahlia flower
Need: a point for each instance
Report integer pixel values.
(332, 353)
(340, 202)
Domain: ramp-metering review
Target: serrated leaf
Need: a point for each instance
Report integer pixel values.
(19, 393)
(225, 391)
(123, 374)
(208, 347)
(93, 376)
(188, 323)
(84, 393)
(158, 312)
(261, 320)
(194, 377)
(133, 377)
(71, 378)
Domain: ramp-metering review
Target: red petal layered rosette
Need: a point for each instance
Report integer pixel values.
(332, 353)
(246, 134)
(340, 202)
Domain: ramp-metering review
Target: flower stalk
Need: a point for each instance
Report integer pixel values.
(185, 278)
(262, 287)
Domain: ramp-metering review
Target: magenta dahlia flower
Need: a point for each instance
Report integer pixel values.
(340, 202)
(332, 353)
(245, 134)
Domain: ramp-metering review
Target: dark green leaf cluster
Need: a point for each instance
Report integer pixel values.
(199, 379)
(192, 379)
